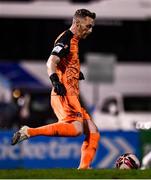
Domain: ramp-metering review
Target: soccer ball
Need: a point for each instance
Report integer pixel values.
(127, 161)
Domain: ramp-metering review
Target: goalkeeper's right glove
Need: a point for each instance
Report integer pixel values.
(59, 88)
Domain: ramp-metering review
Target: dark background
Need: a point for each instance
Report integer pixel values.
(32, 39)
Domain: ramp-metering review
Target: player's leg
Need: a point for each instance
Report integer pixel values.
(66, 129)
(70, 121)
(90, 144)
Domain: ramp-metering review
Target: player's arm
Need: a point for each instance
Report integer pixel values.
(52, 64)
(61, 49)
(51, 70)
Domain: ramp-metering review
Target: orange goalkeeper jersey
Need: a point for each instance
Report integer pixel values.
(68, 69)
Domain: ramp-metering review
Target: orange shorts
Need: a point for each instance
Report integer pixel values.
(68, 108)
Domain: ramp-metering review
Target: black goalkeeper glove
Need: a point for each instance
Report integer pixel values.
(81, 76)
(59, 88)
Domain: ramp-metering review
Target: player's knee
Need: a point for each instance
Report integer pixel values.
(80, 130)
(79, 127)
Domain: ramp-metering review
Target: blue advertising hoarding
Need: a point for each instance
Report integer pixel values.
(59, 152)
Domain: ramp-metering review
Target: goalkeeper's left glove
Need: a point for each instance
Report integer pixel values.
(81, 76)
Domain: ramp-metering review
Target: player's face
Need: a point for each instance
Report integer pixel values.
(84, 27)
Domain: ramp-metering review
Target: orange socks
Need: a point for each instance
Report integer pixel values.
(56, 129)
(88, 150)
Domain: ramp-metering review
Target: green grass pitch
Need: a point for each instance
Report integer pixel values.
(74, 174)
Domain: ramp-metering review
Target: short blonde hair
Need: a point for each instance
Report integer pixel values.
(82, 13)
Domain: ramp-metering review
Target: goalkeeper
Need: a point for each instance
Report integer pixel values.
(63, 67)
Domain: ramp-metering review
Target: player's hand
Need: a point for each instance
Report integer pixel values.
(59, 88)
(81, 76)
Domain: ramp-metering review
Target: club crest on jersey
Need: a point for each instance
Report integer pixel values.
(57, 49)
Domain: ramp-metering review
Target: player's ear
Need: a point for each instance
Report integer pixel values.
(77, 22)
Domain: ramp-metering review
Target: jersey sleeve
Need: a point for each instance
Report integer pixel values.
(62, 46)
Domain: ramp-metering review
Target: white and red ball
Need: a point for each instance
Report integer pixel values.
(127, 161)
